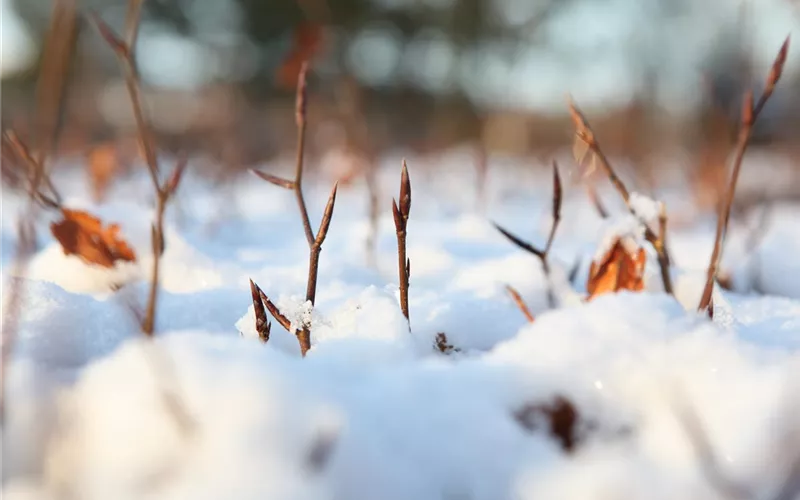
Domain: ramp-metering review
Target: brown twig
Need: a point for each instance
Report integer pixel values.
(660, 245)
(520, 303)
(165, 191)
(543, 254)
(263, 326)
(400, 213)
(50, 90)
(35, 172)
(586, 135)
(750, 114)
(314, 241)
(596, 201)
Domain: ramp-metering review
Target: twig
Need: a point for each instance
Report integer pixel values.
(50, 91)
(35, 172)
(520, 303)
(750, 114)
(16, 291)
(400, 213)
(52, 83)
(585, 134)
(596, 202)
(165, 191)
(314, 241)
(374, 212)
(543, 254)
(263, 326)
(660, 245)
(481, 175)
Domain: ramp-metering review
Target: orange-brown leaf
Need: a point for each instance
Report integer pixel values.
(82, 234)
(617, 270)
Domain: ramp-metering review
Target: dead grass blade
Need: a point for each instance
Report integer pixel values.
(520, 303)
(749, 116)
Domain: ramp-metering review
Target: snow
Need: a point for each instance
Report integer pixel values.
(96, 411)
(645, 208)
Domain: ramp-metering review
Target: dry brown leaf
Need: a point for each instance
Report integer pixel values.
(617, 270)
(82, 234)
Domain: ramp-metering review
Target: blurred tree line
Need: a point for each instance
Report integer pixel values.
(390, 72)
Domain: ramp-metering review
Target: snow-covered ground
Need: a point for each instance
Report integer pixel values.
(94, 411)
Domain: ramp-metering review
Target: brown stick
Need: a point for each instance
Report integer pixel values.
(584, 133)
(749, 116)
(400, 213)
(165, 191)
(263, 325)
(661, 249)
(596, 202)
(520, 303)
(543, 254)
(314, 241)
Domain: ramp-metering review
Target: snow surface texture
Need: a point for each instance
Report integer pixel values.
(373, 412)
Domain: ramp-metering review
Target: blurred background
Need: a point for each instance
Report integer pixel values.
(656, 77)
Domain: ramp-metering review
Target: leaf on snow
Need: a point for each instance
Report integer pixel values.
(82, 234)
(618, 269)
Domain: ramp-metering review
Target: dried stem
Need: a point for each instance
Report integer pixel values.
(400, 213)
(374, 213)
(50, 90)
(543, 254)
(263, 325)
(314, 241)
(520, 303)
(596, 201)
(165, 191)
(585, 134)
(35, 172)
(661, 248)
(750, 114)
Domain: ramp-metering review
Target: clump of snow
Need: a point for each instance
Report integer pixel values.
(626, 229)
(645, 208)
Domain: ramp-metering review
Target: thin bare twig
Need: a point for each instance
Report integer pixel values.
(596, 201)
(400, 213)
(585, 134)
(750, 114)
(520, 303)
(660, 245)
(164, 192)
(543, 254)
(50, 90)
(263, 326)
(314, 241)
